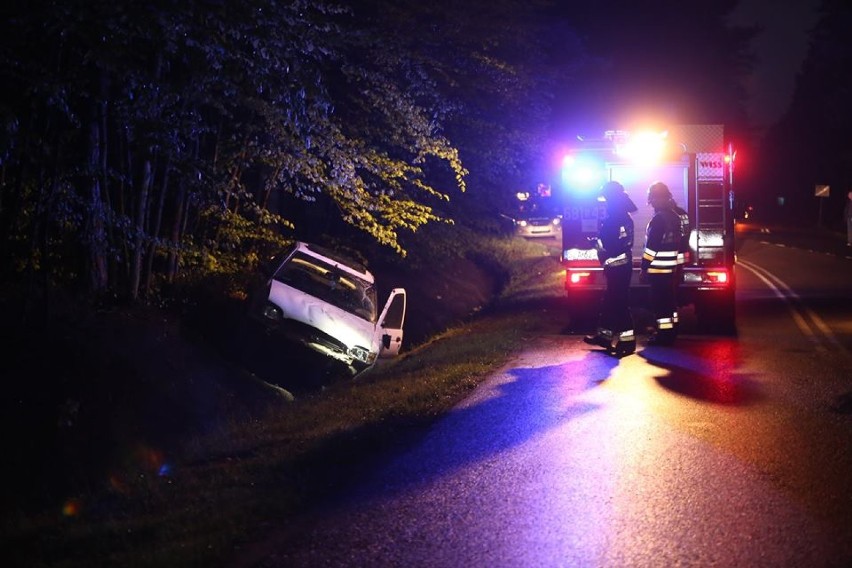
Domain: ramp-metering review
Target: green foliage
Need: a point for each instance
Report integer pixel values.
(811, 144)
(155, 138)
(145, 140)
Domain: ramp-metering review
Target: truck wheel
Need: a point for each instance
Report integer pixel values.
(716, 312)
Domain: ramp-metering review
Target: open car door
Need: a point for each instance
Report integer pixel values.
(390, 323)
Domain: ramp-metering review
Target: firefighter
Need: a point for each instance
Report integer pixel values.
(660, 267)
(614, 243)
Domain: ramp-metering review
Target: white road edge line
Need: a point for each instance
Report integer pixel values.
(818, 321)
(797, 317)
(784, 291)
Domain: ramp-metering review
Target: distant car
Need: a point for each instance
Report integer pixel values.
(536, 214)
(539, 226)
(324, 301)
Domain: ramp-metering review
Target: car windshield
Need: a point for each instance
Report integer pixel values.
(325, 282)
(536, 208)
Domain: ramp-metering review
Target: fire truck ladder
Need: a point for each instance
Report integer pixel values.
(711, 219)
(711, 212)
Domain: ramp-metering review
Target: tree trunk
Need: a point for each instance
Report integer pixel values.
(103, 172)
(124, 188)
(95, 233)
(155, 231)
(139, 229)
(269, 186)
(174, 249)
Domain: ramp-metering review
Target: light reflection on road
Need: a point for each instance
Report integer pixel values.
(571, 457)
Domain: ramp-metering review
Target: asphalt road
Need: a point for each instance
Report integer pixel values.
(730, 451)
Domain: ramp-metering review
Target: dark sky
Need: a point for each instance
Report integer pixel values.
(780, 50)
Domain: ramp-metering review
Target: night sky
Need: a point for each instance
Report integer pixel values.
(779, 50)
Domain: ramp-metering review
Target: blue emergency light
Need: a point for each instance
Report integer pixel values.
(582, 172)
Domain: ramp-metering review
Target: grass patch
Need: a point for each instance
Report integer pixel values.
(226, 488)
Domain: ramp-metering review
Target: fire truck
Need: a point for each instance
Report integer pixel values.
(696, 164)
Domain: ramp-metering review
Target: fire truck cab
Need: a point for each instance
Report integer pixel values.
(697, 166)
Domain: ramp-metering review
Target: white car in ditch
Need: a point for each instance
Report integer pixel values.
(328, 303)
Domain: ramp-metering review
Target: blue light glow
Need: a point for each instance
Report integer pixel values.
(582, 172)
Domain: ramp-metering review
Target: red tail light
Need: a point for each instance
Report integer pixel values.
(719, 277)
(577, 277)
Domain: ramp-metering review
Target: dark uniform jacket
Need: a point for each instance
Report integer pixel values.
(663, 241)
(615, 240)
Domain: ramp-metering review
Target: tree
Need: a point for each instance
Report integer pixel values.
(496, 67)
(811, 145)
(138, 132)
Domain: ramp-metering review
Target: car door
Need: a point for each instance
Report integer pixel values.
(390, 323)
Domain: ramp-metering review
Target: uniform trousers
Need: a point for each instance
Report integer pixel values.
(615, 315)
(663, 300)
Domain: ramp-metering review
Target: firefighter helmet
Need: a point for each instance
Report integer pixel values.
(616, 197)
(659, 193)
(611, 189)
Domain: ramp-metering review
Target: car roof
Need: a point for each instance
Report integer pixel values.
(340, 261)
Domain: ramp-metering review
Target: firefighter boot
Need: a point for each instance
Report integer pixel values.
(624, 345)
(664, 333)
(601, 339)
(623, 349)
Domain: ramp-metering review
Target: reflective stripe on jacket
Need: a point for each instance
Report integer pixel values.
(660, 262)
(663, 238)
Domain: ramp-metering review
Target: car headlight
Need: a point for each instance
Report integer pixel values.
(271, 312)
(522, 223)
(362, 354)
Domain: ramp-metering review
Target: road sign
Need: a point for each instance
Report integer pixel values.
(821, 190)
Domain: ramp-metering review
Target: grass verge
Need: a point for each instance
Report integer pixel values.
(225, 489)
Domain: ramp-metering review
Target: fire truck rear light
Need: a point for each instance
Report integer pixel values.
(577, 277)
(720, 277)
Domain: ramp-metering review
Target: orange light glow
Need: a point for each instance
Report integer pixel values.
(645, 147)
(71, 508)
(577, 276)
(720, 277)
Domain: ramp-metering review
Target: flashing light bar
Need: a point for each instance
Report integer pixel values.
(645, 147)
(582, 172)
